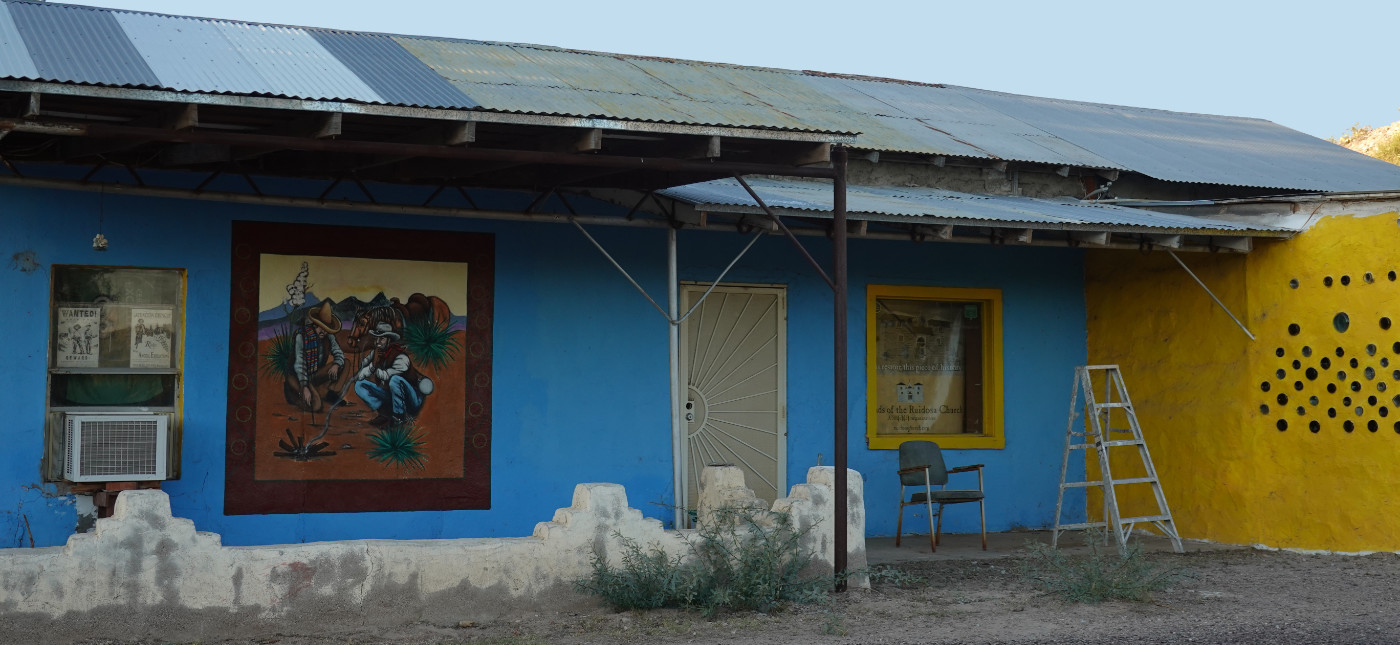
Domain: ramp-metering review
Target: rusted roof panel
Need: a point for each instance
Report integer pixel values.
(499, 78)
(1199, 148)
(947, 205)
(392, 72)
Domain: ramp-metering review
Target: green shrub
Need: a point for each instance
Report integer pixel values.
(1099, 576)
(747, 561)
(1389, 149)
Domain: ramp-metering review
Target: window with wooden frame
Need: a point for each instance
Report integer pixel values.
(933, 366)
(115, 348)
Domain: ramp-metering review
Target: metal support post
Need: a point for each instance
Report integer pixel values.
(673, 335)
(838, 211)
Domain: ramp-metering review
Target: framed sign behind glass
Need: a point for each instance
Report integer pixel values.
(933, 366)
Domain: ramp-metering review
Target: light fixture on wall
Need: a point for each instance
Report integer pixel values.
(99, 241)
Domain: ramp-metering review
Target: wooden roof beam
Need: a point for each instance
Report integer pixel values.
(454, 134)
(173, 117)
(574, 140)
(314, 126)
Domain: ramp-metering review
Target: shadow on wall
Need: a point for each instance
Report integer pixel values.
(143, 573)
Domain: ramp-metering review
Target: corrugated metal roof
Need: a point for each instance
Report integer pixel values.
(1197, 148)
(945, 205)
(191, 55)
(391, 71)
(69, 43)
(15, 61)
(79, 44)
(293, 64)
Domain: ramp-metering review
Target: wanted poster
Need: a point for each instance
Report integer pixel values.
(76, 336)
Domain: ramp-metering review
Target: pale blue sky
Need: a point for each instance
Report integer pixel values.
(1316, 66)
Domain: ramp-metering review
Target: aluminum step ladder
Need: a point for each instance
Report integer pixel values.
(1099, 435)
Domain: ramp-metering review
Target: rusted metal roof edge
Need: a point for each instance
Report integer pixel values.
(478, 115)
(857, 147)
(1270, 232)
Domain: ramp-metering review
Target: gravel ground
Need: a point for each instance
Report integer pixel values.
(1232, 596)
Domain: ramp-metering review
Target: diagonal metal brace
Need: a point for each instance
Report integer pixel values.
(638, 287)
(792, 238)
(1212, 295)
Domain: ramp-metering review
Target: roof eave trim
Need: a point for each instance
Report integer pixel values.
(441, 114)
(933, 220)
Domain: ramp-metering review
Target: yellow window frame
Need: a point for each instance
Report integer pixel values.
(993, 435)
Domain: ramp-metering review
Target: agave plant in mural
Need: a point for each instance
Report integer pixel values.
(281, 348)
(399, 445)
(431, 341)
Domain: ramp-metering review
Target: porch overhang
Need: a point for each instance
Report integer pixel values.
(931, 214)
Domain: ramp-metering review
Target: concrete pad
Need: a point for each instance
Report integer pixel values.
(968, 546)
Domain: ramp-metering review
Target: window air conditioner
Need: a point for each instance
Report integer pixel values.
(115, 447)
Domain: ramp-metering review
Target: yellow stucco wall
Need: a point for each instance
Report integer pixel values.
(1230, 473)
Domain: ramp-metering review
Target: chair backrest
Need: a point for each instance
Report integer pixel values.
(922, 453)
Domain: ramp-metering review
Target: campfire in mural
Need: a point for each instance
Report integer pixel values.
(363, 387)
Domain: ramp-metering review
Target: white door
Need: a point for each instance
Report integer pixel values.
(734, 363)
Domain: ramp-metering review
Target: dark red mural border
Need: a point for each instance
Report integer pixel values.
(243, 494)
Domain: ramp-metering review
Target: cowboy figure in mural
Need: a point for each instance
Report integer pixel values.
(317, 360)
(388, 382)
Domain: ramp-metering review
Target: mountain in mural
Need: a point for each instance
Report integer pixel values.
(346, 310)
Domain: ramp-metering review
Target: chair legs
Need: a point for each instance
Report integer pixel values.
(899, 525)
(937, 533)
(982, 507)
(932, 536)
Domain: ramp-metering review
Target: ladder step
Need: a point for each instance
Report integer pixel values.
(1125, 520)
(1115, 404)
(1116, 482)
(1081, 525)
(1145, 518)
(1110, 444)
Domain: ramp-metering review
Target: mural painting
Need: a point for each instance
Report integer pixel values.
(360, 380)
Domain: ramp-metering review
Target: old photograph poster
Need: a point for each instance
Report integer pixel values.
(925, 367)
(76, 336)
(152, 331)
(360, 376)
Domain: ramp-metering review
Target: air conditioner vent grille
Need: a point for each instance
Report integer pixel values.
(116, 447)
(119, 448)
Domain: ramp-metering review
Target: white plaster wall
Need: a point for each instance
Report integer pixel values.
(143, 573)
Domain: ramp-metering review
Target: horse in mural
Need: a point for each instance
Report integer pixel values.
(419, 308)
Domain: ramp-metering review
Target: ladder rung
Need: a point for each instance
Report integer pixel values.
(1116, 482)
(1115, 404)
(1126, 520)
(1145, 518)
(1081, 525)
(1110, 444)
(1135, 480)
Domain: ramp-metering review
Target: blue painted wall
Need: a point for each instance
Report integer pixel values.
(581, 371)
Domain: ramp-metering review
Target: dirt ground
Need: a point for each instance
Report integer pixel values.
(1231, 596)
